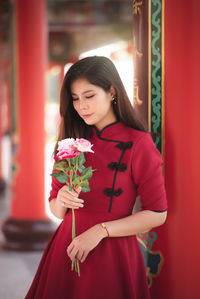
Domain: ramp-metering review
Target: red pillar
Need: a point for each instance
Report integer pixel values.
(31, 66)
(182, 150)
(2, 183)
(1, 98)
(28, 227)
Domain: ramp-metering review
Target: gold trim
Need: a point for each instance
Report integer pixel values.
(163, 77)
(149, 66)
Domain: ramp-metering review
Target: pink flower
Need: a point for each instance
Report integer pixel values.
(66, 145)
(66, 155)
(83, 145)
(69, 148)
(66, 149)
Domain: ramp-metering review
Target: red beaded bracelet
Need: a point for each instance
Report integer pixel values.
(104, 226)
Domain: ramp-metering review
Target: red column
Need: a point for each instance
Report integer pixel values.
(31, 66)
(1, 96)
(2, 183)
(28, 204)
(182, 150)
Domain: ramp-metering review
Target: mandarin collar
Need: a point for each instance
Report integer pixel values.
(109, 130)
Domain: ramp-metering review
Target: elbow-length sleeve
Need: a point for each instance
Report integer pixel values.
(147, 174)
(55, 187)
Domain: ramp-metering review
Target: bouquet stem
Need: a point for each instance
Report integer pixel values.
(76, 262)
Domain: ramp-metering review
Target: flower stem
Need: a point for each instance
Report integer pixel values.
(78, 268)
(73, 225)
(72, 268)
(75, 264)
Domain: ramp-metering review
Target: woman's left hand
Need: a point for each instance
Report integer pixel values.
(85, 242)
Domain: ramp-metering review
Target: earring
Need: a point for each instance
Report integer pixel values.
(114, 100)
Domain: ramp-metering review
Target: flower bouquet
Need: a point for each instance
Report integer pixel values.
(71, 171)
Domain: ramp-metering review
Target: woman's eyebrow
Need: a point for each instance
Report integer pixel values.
(88, 91)
(84, 92)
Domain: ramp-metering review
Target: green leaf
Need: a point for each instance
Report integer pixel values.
(84, 183)
(60, 165)
(81, 159)
(86, 170)
(70, 187)
(86, 174)
(87, 177)
(73, 176)
(81, 168)
(73, 160)
(60, 176)
(76, 181)
(85, 188)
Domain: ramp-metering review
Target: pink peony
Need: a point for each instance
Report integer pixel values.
(83, 145)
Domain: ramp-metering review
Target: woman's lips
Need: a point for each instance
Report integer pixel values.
(86, 115)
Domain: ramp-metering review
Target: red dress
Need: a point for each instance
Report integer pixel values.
(126, 164)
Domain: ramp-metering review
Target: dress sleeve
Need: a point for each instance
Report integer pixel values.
(147, 174)
(55, 187)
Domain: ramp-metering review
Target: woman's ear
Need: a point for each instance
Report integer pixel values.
(112, 91)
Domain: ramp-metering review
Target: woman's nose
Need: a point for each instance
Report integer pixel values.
(83, 104)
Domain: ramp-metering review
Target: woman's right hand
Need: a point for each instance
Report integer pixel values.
(69, 199)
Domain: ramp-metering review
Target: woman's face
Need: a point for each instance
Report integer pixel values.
(92, 103)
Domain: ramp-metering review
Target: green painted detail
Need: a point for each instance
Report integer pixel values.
(156, 71)
(148, 239)
(151, 240)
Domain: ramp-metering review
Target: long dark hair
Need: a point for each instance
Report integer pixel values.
(100, 71)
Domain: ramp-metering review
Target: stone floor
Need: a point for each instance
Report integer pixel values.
(17, 269)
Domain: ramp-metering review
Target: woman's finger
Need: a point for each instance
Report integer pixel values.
(75, 204)
(80, 254)
(73, 253)
(83, 258)
(72, 192)
(71, 203)
(67, 205)
(70, 200)
(77, 200)
(78, 190)
(69, 248)
(67, 194)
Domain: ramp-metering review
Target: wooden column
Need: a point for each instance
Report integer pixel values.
(148, 20)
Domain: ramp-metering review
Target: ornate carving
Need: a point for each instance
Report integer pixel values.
(136, 98)
(136, 7)
(156, 73)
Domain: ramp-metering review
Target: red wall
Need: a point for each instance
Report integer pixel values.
(180, 276)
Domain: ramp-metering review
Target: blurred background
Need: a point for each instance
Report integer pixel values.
(39, 41)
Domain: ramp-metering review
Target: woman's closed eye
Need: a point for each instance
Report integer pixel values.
(89, 97)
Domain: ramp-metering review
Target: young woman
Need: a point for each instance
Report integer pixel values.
(94, 105)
